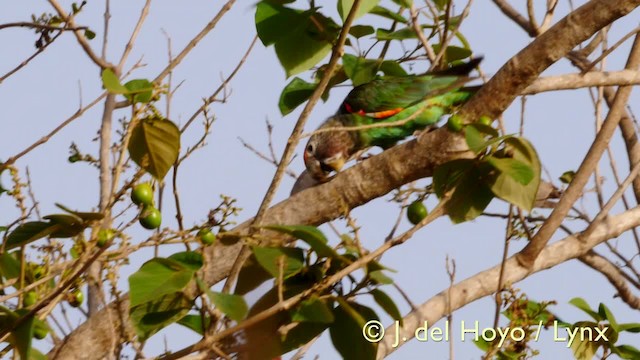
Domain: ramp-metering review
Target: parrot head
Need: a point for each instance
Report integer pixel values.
(329, 150)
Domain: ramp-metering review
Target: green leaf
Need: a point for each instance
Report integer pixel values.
(604, 311)
(344, 6)
(346, 331)
(402, 34)
(273, 21)
(268, 332)
(22, 335)
(295, 93)
(509, 188)
(583, 348)
(301, 334)
(476, 137)
(387, 304)
(380, 277)
(111, 82)
(90, 35)
(37, 355)
(155, 145)
(453, 53)
(517, 170)
(149, 317)
(482, 344)
(190, 259)
(626, 352)
(441, 4)
(392, 68)
(63, 219)
(567, 176)
(85, 216)
(231, 305)
(158, 277)
(629, 327)
(28, 232)
(581, 304)
(251, 276)
(403, 3)
(359, 31)
(309, 234)
(194, 322)
(359, 70)
(470, 196)
(9, 265)
(276, 259)
(139, 90)
(64, 225)
(301, 38)
(301, 53)
(312, 310)
(386, 13)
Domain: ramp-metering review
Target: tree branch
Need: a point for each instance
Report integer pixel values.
(79, 36)
(485, 282)
(528, 254)
(577, 81)
(399, 165)
(613, 274)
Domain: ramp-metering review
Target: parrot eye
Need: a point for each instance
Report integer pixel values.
(310, 148)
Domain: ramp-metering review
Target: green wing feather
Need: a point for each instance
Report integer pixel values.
(390, 93)
(428, 113)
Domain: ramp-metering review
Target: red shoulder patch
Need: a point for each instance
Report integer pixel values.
(351, 110)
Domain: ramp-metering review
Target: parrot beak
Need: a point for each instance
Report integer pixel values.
(335, 163)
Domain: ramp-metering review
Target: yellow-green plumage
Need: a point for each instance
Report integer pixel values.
(395, 106)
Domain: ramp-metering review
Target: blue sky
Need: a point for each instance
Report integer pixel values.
(36, 99)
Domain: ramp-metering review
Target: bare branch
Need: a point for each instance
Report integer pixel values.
(577, 81)
(418, 30)
(80, 36)
(614, 275)
(484, 283)
(134, 35)
(528, 254)
(42, 26)
(46, 138)
(514, 15)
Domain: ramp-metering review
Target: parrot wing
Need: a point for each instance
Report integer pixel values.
(388, 96)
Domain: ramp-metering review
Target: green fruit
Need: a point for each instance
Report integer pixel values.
(150, 217)
(40, 332)
(75, 298)
(567, 176)
(485, 120)
(30, 298)
(454, 123)
(142, 194)
(416, 212)
(74, 158)
(206, 236)
(38, 272)
(104, 237)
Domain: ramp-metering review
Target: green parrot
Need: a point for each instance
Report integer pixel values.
(411, 103)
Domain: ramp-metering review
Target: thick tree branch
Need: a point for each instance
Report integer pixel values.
(399, 165)
(577, 81)
(486, 282)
